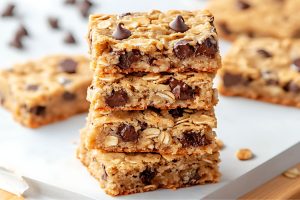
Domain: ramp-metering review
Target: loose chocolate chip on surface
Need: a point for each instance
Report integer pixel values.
(178, 24)
(178, 112)
(194, 139)
(117, 98)
(296, 64)
(264, 53)
(127, 133)
(243, 5)
(209, 48)
(84, 8)
(68, 96)
(181, 90)
(68, 65)
(16, 42)
(224, 28)
(120, 32)
(38, 110)
(147, 175)
(22, 31)
(32, 87)
(9, 11)
(69, 38)
(126, 59)
(183, 49)
(70, 2)
(53, 22)
(232, 79)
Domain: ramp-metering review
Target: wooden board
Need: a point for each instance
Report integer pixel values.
(8, 196)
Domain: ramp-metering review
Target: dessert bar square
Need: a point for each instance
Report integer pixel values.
(47, 90)
(173, 41)
(138, 91)
(177, 131)
(266, 69)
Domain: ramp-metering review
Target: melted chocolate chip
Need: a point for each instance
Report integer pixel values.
(156, 110)
(127, 133)
(32, 87)
(68, 96)
(143, 125)
(242, 5)
(53, 22)
(126, 59)
(9, 11)
(178, 112)
(296, 64)
(264, 53)
(209, 48)
(182, 49)
(117, 98)
(147, 175)
(68, 65)
(38, 110)
(225, 29)
(232, 79)
(69, 38)
(120, 32)
(181, 90)
(178, 24)
(194, 139)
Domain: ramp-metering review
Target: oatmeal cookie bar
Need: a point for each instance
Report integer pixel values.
(266, 69)
(269, 18)
(177, 131)
(163, 91)
(126, 173)
(47, 90)
(174, 41)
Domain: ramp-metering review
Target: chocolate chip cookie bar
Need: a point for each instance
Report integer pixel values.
(256, 18)
(163, 91)
(126, 173)
(266, 69)
(174, 41)
(47, 90)
(178, 131)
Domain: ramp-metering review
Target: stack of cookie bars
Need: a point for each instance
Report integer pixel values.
(151, 116)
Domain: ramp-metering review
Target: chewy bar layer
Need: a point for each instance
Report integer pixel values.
(256, 18)
(163, 91)
(175, 41)
(47, 90)
(178, 131)
(266, 69)
(126, 173)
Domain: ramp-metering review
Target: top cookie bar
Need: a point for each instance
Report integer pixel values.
(174, 41)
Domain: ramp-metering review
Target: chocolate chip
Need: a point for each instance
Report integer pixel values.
(117, 98)
(209, 48)
(264, 53)
(32, 87)
(270, 78)
(127, 133)
(181, 90)
(84, 8)
(296, 64)
(138, 74)
(178, 112)
(69, 38)
(2, 99)
(178, 24)
(127, 58)
(16, 43)
(70, 2)
(68, 65)
(292, 87)
(38, 110)
(9, 11)
(143, 125)
(147, 175)
(124, 14)
(156, 110)
(232, 79)
(68, 96)
(53, 22)
(22, 31)
(120, 32)
(194, 178)
(104, 175)
(224, 28)
(194, 139)
(242, 5)
(183, 49)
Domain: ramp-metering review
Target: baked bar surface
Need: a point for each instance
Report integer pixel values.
(177, 131)
(256, 18)
(47, 90)
(142, 90)
(149, 43)
(267, 69)
(126, 173)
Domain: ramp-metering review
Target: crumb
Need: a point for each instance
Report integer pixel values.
(244, 154)
(220, 143)
(291, 173)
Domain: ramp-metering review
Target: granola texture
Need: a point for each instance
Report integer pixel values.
(178, 131)
(47, 90)
(266, 69)
(256, 18)
(152, 45)
(163, 91)
(126, 173)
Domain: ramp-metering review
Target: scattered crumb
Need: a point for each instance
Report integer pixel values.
(220, 143)
(292, 173)
(244, 154)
